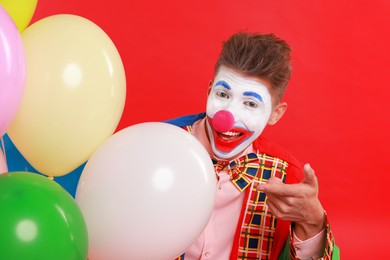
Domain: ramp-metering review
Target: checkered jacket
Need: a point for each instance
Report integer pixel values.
(259, 235)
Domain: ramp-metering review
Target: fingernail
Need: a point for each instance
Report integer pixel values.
(307, 166)
(261, 187)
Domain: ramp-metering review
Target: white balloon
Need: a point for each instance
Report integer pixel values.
(146, 193)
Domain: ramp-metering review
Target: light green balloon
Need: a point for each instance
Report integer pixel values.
(39, 220)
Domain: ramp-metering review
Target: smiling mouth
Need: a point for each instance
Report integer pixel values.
(229, 136)
(228, 141)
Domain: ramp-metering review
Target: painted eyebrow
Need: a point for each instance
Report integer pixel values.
(253, 94)
(223, 84)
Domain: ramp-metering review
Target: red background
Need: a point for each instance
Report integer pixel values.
(337, 118)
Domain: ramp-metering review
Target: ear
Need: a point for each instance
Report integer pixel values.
(277, 113)
(209, 88)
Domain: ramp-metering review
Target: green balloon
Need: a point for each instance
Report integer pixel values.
(39, 220)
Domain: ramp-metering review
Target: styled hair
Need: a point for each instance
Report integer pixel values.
(264, 56)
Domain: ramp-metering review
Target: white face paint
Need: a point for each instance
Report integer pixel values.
(251, 105)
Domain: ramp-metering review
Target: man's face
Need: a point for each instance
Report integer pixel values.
(248, 100)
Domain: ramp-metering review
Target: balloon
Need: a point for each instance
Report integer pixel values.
(21, 11)
(12, 70)
(74, 97)
(39, 220)
(3, 163)
(146, 193)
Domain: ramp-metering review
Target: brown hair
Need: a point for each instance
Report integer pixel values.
(264, 56)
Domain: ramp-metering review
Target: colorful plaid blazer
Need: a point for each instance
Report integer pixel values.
(259, 235)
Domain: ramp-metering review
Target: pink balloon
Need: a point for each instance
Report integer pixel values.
(12, 70)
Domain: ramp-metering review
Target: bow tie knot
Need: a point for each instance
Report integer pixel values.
(241, 170)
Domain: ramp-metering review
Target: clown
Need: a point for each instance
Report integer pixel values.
(267, 204)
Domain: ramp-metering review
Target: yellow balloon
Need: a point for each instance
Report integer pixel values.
(21, 11)
(74, 95)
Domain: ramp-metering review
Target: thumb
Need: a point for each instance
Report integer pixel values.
(309, 175)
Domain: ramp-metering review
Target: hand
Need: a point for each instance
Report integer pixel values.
(297, 203)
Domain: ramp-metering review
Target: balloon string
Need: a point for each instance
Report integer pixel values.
(2, 146)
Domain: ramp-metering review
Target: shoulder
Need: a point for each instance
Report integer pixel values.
(295, 167)
(186, 120)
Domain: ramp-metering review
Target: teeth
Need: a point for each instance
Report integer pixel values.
(231, 133)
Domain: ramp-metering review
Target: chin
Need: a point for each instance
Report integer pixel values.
(225, 156)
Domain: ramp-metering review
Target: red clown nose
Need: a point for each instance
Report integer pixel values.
(223, 121)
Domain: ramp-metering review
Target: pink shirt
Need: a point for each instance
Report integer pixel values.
(216, 241)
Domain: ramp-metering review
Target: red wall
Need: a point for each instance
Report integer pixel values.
(337, 118)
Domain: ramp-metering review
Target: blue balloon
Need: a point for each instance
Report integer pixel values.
(16, 163)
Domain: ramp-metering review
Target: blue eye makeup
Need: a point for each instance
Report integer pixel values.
(223, 84)
(253, 94)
